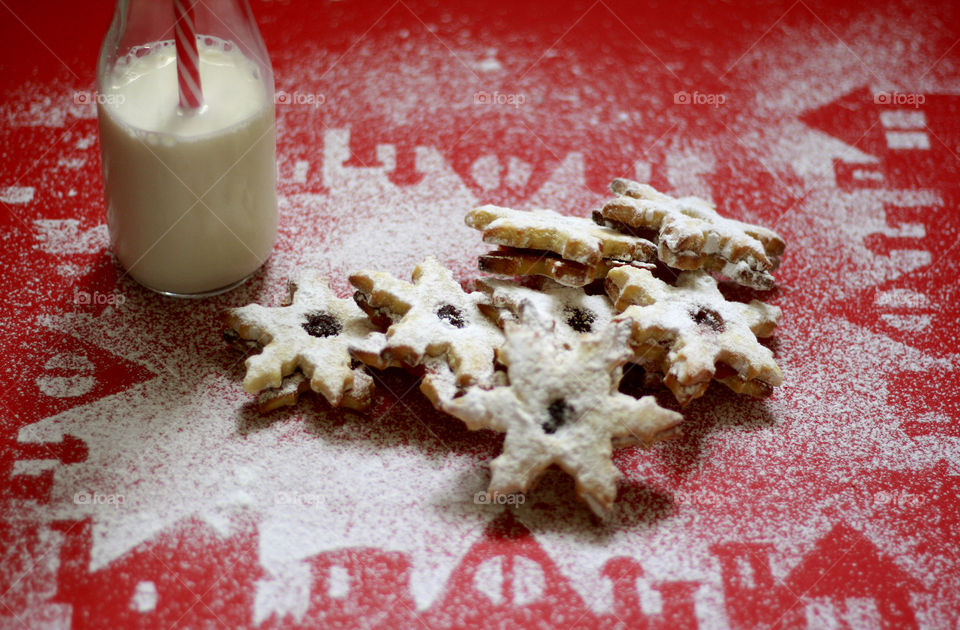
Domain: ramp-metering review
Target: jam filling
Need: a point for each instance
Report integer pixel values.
(452, 314)
(322, 324)
(580, 319)
(708, 318)
(560, 413)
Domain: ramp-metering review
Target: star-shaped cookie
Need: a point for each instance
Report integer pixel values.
(562, 407)
(573, 238)
(431, 318)
(692, 235)
(312, 334)
(508, 261)
(692, 334)
(296, 384)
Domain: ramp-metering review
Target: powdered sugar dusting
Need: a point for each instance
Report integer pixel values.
(848, 441)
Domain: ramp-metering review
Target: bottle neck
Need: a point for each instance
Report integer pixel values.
(144, 23)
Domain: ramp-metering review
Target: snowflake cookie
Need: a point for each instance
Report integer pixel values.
(692, 235)
(562, 407)
(692, 334)
(431, 318)
(508, 261)
(312, 334)
(296, 384)
(573, 238)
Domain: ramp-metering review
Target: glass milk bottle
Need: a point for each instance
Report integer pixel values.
(186, 118)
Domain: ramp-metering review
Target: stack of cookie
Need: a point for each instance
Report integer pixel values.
(541, 360)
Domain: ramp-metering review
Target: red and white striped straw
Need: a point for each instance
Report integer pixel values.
(188, 60)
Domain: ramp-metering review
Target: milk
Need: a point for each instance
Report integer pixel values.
(191, 197)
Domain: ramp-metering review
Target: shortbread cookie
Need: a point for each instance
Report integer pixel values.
(573, 238)
(370, 350)
(562, 407)
(433, 317)
(572, 311)
(290, 390)
(287, 395)
(692, 235)
(311, 334)
(438, 382)
(692, 334)
(292, 386)
(508, 261)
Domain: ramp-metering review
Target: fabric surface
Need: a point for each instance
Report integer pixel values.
(141, 488)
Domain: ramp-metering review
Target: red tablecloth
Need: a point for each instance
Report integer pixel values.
(140, 486)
